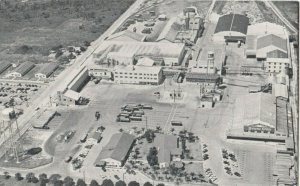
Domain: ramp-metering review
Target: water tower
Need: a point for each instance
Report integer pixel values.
(11, 133)
(210, 62)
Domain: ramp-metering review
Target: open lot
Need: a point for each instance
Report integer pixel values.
(150, 11)
(290, 10)
(30, 29)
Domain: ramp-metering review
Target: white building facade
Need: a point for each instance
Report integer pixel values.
(138, 75)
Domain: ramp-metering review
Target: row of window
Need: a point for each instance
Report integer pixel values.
(274, 71)
(136, 77)
(136, 74)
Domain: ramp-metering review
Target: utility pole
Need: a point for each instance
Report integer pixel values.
(174, 96)
(146, 123)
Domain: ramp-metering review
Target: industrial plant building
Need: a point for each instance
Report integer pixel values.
(137, 74)
(127, 53)
(186, 27)
(231, 28)
(261, 116)
(271, 50)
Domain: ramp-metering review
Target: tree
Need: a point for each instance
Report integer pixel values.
(80, 182)
(120, 183)
(152, 156)
(6, 175)
(54, 178)
(29, 177)
(68, 181)
(148, 184)
(43, 176)
(18, 176)
(94, 183)
(107, 182)
(133, 183)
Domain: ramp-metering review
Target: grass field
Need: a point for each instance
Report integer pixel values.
(42, 25)
(290, 9)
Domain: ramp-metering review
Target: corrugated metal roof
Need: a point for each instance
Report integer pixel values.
(117, 148)
(256, 108)
(24, 67)
(4, 65)
(233, 22)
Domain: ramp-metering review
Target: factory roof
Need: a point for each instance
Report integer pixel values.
(280, 90)
(266, 28)
(137, 68)
(202, 76)
(256, 108)
(4, 65)
(127, 34)
(117, 147)
(232, 22)
(282, 115)
(24, 68)
(172, 50)
(272, 40)
(145, 61)
(48, 69)
(168, 33)
(72, 94)
(167, 146)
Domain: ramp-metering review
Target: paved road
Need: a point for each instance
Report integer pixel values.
(67, 75)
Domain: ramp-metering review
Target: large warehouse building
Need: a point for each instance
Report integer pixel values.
(231, 28)
(23, 69)
(271, 49)
(261, 116)
(46, 70)
(124, 53)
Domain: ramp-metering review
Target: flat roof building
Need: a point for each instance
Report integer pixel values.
(231, 27)
(46, 70)
(138, 74)
(23, 69)
(115, 153)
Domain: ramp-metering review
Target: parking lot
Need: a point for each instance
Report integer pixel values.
(22, 92)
